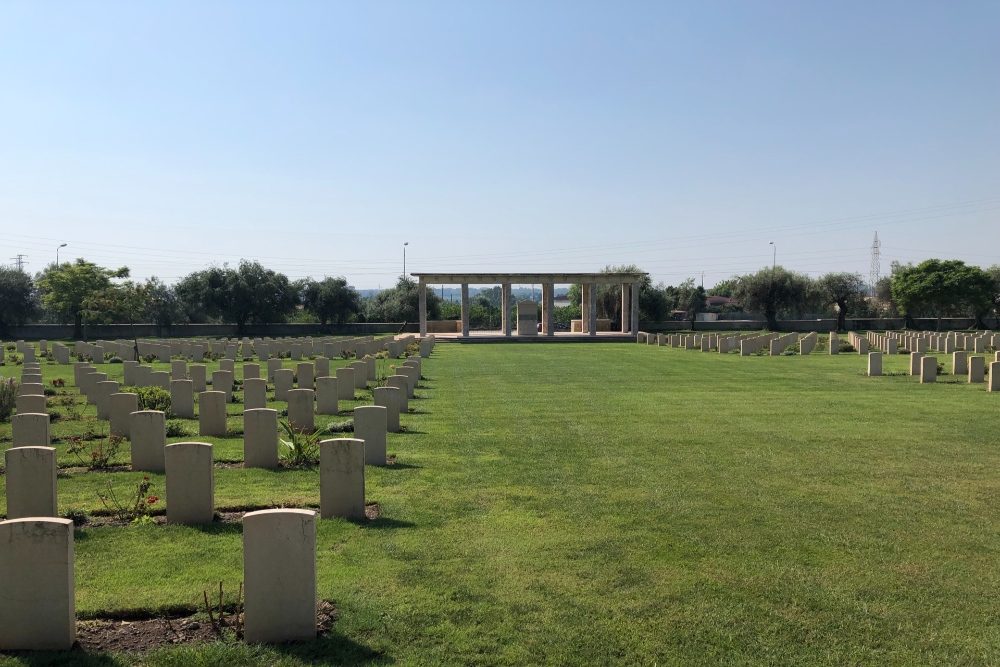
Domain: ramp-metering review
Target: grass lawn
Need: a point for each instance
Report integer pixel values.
(618, 504)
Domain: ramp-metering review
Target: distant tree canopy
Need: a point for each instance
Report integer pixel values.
(844, 290)
(83, 292)
(331, 300)
(771, 291)
(18, 297)
(401, 303)
(67, 287)
(943, 288)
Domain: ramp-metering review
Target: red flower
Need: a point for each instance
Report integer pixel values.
(151, 499)
(145, 477)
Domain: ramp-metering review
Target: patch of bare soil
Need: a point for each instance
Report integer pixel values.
(137, 636)
(372, 511)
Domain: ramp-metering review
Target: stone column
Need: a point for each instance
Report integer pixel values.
(148, 432)
(584, 307)
(625, 310)
(370, 425)
(465, 309)
(635, 306)
(422, 291)
(279, 571)
(260, 438)
(190, 483)
(301, 409)
(592, 309)
(212, 413)
(342, 479)
(31, 482)
(505, 309)
(38, 607)
(388, 398)
(548, 310)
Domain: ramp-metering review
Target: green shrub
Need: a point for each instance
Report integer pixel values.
(8, 397)
(151, 398)
(176, 428)
(115, 360)
(847, 347)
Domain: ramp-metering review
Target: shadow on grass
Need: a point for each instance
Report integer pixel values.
(76, 657)
(333, 649)
(400, 466)
(382, 523)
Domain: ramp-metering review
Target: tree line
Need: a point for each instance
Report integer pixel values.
(81, 292)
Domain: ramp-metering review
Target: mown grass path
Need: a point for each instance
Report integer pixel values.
(624, 504)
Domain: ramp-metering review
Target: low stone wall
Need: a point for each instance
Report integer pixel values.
(576, 326)
(444, 326)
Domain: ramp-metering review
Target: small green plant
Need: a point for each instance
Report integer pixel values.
(77, 515)
(96, 456)
(151, 398)
(149, 358)
(8, 397)
(115, 360)
(847, 347)
(301, 448)
(341, 427)
(133, 509)
(175, 428)
(49, 391)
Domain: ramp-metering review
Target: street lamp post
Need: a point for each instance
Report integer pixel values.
(57, 254)
(405, 243)
(774, 259)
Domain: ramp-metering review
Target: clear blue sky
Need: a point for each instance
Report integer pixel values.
(318, 137)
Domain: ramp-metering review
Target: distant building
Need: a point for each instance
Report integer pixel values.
(712, 301)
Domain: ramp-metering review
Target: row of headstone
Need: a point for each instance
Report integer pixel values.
(37, 610)
(808, 342)
(38, 607)
(942, 342)
(859, 342)
(779, 344)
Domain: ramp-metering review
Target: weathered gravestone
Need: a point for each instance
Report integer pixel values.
(190, 483)
(279, 574)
